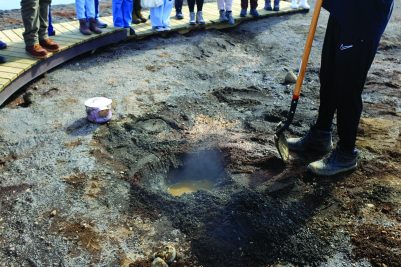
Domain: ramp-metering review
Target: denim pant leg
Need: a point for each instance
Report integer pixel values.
(127, 7)
(168, 7)
(117, 13)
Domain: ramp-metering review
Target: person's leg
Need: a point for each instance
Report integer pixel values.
(99, 23)
(328, 106)
(30, 18)
(353, 66)
(117, 13)
(244, 4)
(229, 13)
(91, 13)
(43, 18)
(199, 5)
(127, 7)
(178, 6)
(191, 5)
(168, 7)
(156, 16)
(135, 11)
(254, 6)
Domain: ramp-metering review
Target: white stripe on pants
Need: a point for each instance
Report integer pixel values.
(225, 5)
(160, 16)
(85, 5)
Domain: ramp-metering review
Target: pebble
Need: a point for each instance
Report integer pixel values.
(53, 213)
(159, 263)
(290, 78)
(370, 205)
(167, 253)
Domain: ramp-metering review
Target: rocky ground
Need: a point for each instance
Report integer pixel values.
(201, 105)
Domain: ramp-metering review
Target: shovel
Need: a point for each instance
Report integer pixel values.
(279, 136)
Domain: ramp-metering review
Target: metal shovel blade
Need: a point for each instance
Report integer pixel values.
(281, 142)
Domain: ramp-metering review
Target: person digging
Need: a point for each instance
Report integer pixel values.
(352, 38)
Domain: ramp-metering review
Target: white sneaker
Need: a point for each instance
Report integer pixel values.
(304, 4)
(192, 18)
(294, 4)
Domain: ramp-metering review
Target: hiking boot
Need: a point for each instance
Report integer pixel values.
(101, 24)
(199, 18)
(242, 14)
(229, 15)
(140, 16)
(3, 45)
(268, 5)
(37, 51)
(179, 15)
(2, 60)
(314, 140)
(49, 45)
(192, 18)
(223, 16)
(276, 5)
(254, 13)
(135, 18)
(93, 26)
(337, 161)
(83, 27)
(304, 4)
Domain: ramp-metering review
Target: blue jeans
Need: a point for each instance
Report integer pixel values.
(85, 8)
(160, 16)
(122, 13)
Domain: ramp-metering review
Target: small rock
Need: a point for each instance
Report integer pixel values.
(370, 205)
(167, 253)
(159, 263)
(290, 78)
(53, 213)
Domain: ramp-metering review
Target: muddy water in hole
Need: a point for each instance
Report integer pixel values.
(189, 186)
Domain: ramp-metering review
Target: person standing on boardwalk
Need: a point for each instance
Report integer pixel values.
(160, 16)
(225, 10)
(244, 8)
(137, 16)
(84, 9)
(352, 38)
(99, 23)
(3, 45)
(178, 9)
(122, 13)
(34, 16)
(199, 16)
(276, 5)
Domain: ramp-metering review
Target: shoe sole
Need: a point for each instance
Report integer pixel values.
(37, 57)
(352, 168)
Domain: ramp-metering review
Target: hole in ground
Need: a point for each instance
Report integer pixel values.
(201, 170)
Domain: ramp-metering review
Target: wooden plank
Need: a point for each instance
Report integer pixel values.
(3, 83)
(6, 75)
(12, 36)
(18, 65)
(70, 27)
(4, 37)
(60, 29)
(19, 32)
(8, 69)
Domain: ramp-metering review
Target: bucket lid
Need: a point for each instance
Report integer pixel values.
(98, 102)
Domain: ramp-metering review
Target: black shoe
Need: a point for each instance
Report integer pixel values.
(131, 31)
(314, 140)
(2, 60)
(179, 15)
(338, 161)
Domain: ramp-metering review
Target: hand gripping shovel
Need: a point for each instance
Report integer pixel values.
(279, 137)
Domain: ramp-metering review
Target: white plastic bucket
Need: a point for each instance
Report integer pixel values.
(98, 109)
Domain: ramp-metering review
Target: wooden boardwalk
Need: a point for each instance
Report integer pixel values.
(22, 68)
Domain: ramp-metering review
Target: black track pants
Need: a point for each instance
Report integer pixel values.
(345, 63)
(199, 5)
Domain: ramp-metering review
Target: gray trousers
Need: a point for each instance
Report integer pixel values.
(34, 15)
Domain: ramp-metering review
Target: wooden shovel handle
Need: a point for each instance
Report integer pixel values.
(308, 46)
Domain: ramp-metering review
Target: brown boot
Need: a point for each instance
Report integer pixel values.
(36, 51)
(93, 26)
(135, 18)
(140, 16)
(49, 45)
(83, 27)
